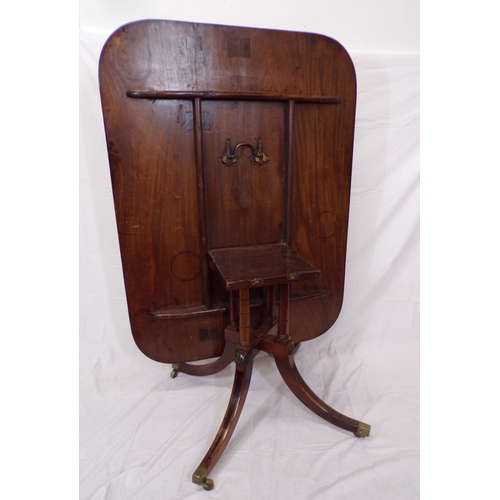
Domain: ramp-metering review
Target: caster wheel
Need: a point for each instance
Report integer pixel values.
(208, 484)
(175, 371)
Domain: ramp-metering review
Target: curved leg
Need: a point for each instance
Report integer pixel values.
(242, 376)
(216, 366)
(288, 370)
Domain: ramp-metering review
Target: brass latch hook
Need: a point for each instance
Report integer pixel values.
(229, 158)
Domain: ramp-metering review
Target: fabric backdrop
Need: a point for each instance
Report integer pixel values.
(142, 433)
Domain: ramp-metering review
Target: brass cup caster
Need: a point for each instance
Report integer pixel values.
(200, 477)
(363, 430)
(175, 371)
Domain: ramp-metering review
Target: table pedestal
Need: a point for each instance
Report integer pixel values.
(242, 343)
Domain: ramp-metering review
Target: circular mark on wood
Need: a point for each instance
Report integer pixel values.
(186, 266)
(324, 225)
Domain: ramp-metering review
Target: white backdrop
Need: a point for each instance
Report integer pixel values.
(142, 434)
(360, 25)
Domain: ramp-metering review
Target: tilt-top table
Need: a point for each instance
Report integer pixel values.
(230, 152)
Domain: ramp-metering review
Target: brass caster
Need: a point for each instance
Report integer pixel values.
(208, 484)
(200, 477)
(363, 430)
(175, 371)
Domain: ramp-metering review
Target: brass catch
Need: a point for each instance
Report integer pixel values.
(258, 156)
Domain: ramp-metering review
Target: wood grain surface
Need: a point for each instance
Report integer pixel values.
(172, 94)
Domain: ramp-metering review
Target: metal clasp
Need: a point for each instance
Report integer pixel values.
(258, 156)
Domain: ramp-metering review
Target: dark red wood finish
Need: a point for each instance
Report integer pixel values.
(230, 152)
(260, 265)
(172, 94)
